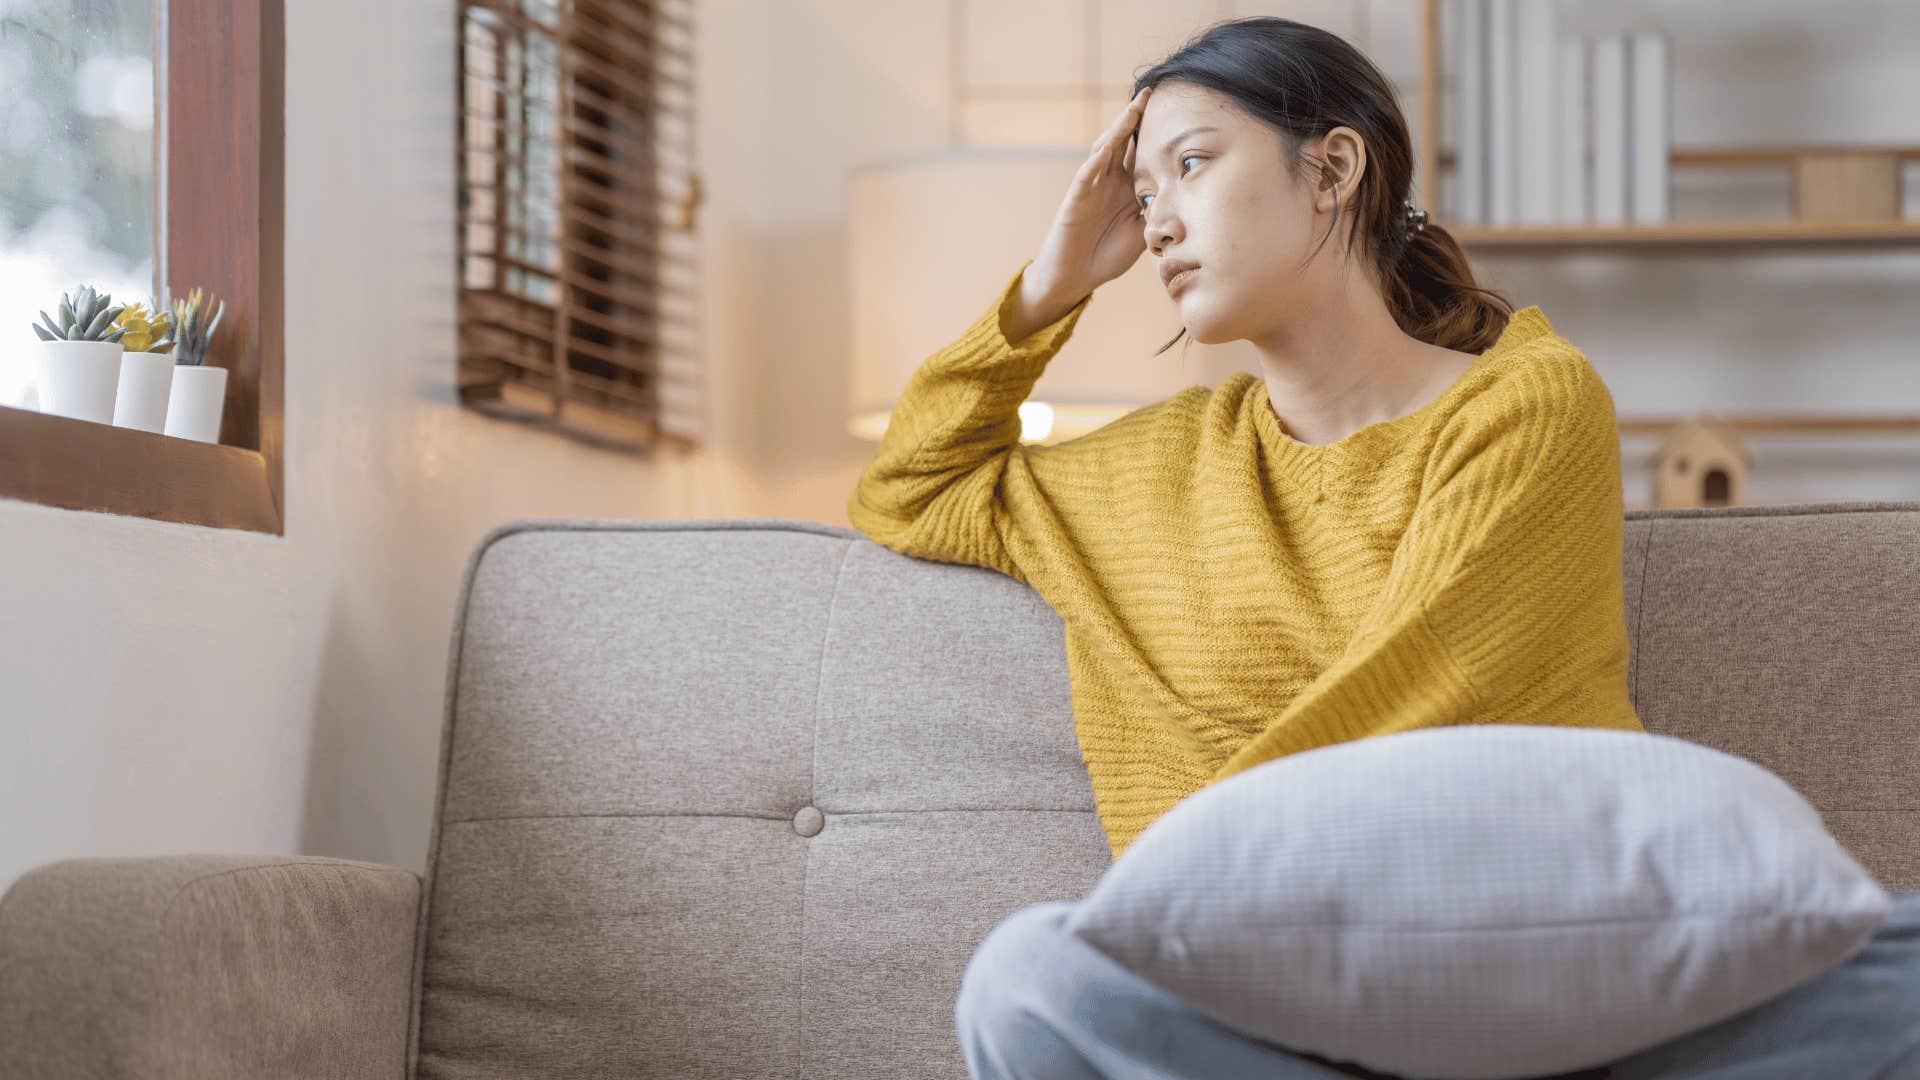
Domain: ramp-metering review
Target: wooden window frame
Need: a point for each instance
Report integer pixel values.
(225, 125)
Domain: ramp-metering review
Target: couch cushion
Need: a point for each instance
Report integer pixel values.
(1787, 635)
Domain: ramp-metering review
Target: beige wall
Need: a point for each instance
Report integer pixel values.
(167, 688)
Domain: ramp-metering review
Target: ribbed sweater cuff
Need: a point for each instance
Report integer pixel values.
(984, 345)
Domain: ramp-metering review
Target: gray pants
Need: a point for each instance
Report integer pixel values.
(1036, 1003)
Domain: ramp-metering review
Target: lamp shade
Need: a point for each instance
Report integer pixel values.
(933, 242)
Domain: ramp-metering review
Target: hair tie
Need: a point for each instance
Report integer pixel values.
(1416, 219)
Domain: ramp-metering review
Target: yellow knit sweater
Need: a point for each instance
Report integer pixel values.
(1231, 595)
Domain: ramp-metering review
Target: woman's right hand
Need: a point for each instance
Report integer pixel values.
(1097, 233)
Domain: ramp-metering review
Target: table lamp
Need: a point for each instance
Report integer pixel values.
(935, 239)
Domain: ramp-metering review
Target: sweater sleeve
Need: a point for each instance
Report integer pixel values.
(1509, 568)
(951, 480)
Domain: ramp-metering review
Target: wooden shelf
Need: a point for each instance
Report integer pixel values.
(1781, 423)
(1755, 156)
(1698, 236)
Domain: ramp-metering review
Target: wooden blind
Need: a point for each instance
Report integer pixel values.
(578, 200)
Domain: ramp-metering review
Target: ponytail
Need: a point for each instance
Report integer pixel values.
(1430, 289)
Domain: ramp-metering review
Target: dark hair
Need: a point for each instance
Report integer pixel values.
(1304, 82)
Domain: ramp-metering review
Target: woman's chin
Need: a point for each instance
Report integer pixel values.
(1201, 326)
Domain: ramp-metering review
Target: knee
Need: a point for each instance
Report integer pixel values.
(1021, 958)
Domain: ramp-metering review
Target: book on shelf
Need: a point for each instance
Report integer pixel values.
(1502, 174)
(1535, 38)
(1464, 26)
(1610, 129)
(1575, 133)
(1552, 129)
(1650, 126)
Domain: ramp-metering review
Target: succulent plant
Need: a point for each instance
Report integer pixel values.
(192, 328)
(146, 331)
(84, 316)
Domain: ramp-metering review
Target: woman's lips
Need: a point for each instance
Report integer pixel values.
(1179, 280)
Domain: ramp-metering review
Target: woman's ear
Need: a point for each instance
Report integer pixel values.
(1345, 155)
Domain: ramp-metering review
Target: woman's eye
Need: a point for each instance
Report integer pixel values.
(1183, 172)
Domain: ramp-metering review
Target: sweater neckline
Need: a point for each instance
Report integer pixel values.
(1307, 461)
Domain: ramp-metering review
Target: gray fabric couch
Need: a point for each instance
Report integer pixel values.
(737, 798)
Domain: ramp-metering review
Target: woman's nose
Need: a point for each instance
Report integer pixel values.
(1159, 227)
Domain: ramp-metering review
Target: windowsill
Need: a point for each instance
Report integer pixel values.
(224, 90)
(81, 465)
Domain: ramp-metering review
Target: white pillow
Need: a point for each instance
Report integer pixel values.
(1484, 901)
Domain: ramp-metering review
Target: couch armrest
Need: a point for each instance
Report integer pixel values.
(208, 966)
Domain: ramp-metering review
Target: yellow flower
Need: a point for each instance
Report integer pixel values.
(144, 329)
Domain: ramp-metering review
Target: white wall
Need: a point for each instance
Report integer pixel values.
(168, 688)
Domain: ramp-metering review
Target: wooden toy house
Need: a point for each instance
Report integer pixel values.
(1702, 462)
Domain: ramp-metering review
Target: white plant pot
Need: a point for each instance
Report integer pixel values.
(194, 405)
(146, 381)
(78, 379)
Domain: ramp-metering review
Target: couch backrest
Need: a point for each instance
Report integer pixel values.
(739, 797)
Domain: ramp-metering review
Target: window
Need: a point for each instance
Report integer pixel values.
(578, 299)
(128, 223)
(77, 155)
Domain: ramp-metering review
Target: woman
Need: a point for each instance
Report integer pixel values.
(1412, 517)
